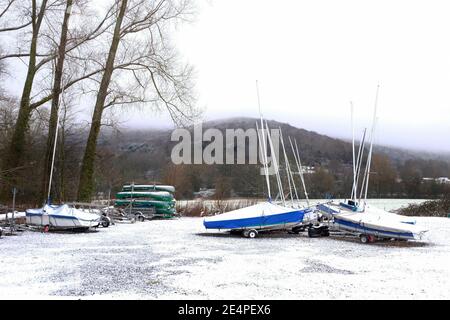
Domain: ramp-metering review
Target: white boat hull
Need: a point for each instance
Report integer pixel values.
(374, 222)
(62, 217)
(262, 216)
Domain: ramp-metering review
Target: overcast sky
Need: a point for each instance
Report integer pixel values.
(312, 57)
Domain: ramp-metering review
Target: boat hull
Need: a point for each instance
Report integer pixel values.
(373, 221)
(375, 230)
(62, 218)
(256, 218)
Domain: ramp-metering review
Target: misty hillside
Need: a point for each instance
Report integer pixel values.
(144, 156)
(315, 148)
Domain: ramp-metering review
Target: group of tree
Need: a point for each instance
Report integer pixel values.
(81, 58)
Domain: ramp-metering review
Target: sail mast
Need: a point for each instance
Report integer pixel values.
(54, 146)
(299, 167)
(353, 150)
(358, 163)
(263, 144)
(262, 156)
(275, 164)
(288, 171)
(374, 121)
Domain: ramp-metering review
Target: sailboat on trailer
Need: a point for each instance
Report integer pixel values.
(355, 215)
(60, 216)
(268, 215)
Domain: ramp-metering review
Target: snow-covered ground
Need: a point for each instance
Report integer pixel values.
(386, 204)
(178, 259)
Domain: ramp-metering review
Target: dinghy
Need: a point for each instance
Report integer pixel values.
(265, 215)
(269, 215)
(148, 187)
(62, 217)
(150, 195)
(371, 222)
(355, 215)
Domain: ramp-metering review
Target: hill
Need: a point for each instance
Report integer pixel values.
(144, 155)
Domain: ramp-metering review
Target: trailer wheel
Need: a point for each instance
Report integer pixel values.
(363, 238)
(314, 232)
(141, 218)
(105, 223)
(252, 234)
(297, 230)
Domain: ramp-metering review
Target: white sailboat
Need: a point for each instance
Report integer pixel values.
(267, 215)
(62, 216)
(355, 215)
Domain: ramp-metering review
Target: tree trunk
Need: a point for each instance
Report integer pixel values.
(86, 185)
(17, 144)
(53, 122)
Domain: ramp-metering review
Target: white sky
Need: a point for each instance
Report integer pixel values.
(312, 57)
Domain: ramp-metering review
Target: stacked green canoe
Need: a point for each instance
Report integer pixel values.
(159, 197)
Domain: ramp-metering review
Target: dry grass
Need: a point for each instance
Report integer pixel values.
(431, 208)
(202, 207)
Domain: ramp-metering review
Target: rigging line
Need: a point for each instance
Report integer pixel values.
(358, 164)
(288, 171)
(299, 168)
(275, 164)
(264, 144)
(375, 119)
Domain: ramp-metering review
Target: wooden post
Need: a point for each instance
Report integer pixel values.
(13, 209)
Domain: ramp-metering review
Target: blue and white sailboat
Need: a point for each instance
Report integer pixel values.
(267, 215)
(60, 216)
(356, 216)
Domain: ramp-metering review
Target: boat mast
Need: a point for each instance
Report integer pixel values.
(358, 163)
(275, 164)
(263, 145)
(61, 99)
(291, 181)
(366, 173)
(353, 150)
(262, 157)
(299, 167)
(374, 121)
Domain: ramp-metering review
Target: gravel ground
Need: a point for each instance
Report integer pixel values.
(178, 259)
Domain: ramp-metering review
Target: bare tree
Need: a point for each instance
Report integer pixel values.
(43, 30)
(87, 168)
(7, 23)
(18, 138)
(53, 122)
(146, 72)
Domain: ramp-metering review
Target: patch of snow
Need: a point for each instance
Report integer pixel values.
(179, 259)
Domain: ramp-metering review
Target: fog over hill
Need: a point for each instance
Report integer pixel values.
(145, 156)
(314, 146)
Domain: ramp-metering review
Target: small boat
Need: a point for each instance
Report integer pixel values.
(374, 222)
(148, 187)
(150, 195)
(261, 216)
(62, 217)
(161, 207)
(356, 215)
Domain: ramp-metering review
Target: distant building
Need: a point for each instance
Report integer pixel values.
(308, 169)
(204, 193)
(440, 180)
